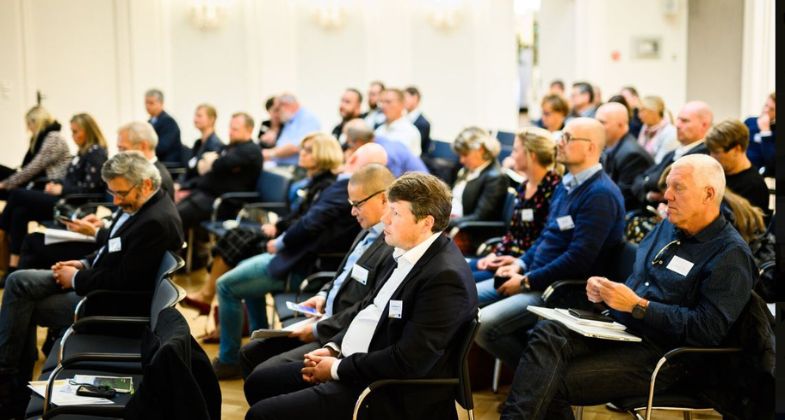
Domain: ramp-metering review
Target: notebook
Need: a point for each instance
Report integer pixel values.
(595, 331)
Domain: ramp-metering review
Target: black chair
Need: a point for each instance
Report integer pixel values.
(441, 161)
(479, 231)
(308, 287)
(460, 382)
(506, 138)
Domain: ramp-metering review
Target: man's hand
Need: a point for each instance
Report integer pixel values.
(53, 188)
(81, 226)
(764, 123)
(93, 220)
(317, 368)
(64, 274)
(317, 302)
(70, 263)
(271, 248)
(205, 164)
(304, 333)
(269, 230)
(511, 286)
(616, 295)
(493, 261)
(508, 270)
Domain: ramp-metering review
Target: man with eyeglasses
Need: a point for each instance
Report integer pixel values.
(327, 227)
(692, 278)
(338, 299)
(145, 226)
(584, 226)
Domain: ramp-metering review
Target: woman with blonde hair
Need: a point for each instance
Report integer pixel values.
(47, 155)
(534, 154)
(658, 135)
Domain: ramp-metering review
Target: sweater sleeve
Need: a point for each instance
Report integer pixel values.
(53, 150)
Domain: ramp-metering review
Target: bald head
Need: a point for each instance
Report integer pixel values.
(357, 133)
(615, 118)
(693, 122)
(586, 141)
(369, 153)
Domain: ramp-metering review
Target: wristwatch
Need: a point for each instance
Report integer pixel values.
(525, 286)
(639, 310)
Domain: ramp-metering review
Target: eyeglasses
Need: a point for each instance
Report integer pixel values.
(360, 203)
(567, 138)
(660, 257)
(120, 194)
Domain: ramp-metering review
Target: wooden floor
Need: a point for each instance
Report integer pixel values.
(234, 405)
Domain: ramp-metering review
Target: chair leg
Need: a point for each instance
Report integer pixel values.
(578, 412)
(497, 368)
(687, 415)
(189, 253)
(470, 412)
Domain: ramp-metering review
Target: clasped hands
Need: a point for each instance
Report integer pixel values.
(616, 295)
(317, 366)
(63, 272)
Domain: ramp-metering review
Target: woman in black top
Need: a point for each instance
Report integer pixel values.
(82, 176)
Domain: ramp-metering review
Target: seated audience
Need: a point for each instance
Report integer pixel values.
(399, 158)
(396, 126)
(623, 158)
(692, 124)
(328, 226)
(409, 328)
(411, 101)
(208, 141)
(630, 94)
(584, 226)
(762, 137)
(582, 100)
(480, 189)
(556, 87)
(141, 136)
(237, 168)
(321, 158)
(297, 123)
(534, 154)
(658, 135)
(727, 142)
(555, 110)
(82, 177)
(145, 226)
(349, 109)
(340, 298)
(692, 278)
(374, 117)
(47, 157)
(270, 129)
(169, 147)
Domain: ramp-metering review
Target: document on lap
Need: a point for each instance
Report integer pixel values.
(602, 331)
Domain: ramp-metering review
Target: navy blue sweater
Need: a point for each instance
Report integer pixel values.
(597, 211)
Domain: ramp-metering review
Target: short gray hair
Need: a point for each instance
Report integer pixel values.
(706, 172)
(155, 93)
(132, 166)
(140, 131)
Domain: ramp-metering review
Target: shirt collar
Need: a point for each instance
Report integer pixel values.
(413, 255)
(711, 230)
(376, 229)
(572, 181)
(682, 150)
(412, 116)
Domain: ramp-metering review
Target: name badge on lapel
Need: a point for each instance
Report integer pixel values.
(396, 308)
(565, 222)
(527, 215)
(115, 245)
(680, 265)
(360, 274)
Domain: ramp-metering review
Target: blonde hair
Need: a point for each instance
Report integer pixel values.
(472, 138)
(540, 142)
(38, 118)
(93, 134)
(748, 219)
(656, 104)
(326, 151)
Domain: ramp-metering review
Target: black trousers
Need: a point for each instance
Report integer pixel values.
(258, 354)
(35, 254)
(24, 206)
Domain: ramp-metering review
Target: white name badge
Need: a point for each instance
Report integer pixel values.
(527, 215)
(396, 308)
(115, 245)
(192, 162)
(360, 274)
(565, 222)
(680, 265)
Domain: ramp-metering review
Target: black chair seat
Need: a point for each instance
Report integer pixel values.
(216, 227)
(682, 401)
(78, 344)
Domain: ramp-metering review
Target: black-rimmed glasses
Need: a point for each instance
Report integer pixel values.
(360, 203)
(120, 194)
(567, 137)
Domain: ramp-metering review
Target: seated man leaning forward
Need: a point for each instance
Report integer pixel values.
(691, 280)
(409, 327)
(130, 250)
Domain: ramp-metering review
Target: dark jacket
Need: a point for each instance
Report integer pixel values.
(648, 180)
(84, 176)
(143, 239)
(483, 197)
(167, 184)
(169, 148)
(623, 162)
(314, 188)
(212, 144)
(237, 169)
(424, 127)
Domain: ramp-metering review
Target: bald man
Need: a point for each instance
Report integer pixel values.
(623, 158)
(584, 227)
(399, 158)
(692, 278)
(692, 124)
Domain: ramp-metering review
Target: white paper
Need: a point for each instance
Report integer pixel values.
(65, 394)
(55, 236)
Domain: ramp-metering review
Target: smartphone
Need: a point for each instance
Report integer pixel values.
(589, 315)
(498, 281)
(64, 220)
(96, 391)
(302, 309)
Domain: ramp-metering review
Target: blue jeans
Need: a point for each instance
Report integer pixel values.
(249, 281)
(560, 368)
(31, 298)
(504, 322)
(479, 275)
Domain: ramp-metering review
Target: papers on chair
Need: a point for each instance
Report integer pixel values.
(65, 394)
(593, 330)
(121, 384)
(267, 333)
(55, 236)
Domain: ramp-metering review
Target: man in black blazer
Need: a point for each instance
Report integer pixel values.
(692, 124)
(131, 249)
(624, 158)
(339, 298)
(411, 101)
(169, 148)
(407, 328)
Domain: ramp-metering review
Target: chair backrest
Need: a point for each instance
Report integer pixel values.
(509, 207)
(442, 150)
(506, 138)
(273, 186)
(464, 392)
(166, 293)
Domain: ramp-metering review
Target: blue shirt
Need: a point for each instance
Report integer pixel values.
(697, 306)
(399, 158)
(302, 123)
(572, 181)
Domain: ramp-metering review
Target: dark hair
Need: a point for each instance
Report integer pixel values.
(620, 99)
(727, 135)
(411, 90)
(585, 87)
(557, 103)
(247, 119)
(378, 83)
(559, 83)
(269, 103)
(631, 89)
(356, 92)
(428, 196)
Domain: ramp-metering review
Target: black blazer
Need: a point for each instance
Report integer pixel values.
(169, 147)
(647, 181)
(144, 238)
(352, 292)
(167, 184)
(424, 127)
(236, 169)
(439, 297)
(483, 197)
(623, 163)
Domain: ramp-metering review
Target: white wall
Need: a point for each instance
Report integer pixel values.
(100, 56)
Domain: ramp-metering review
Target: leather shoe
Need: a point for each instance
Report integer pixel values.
(203, 308)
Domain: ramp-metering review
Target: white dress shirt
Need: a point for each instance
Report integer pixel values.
(460, 186)
(401, 130)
